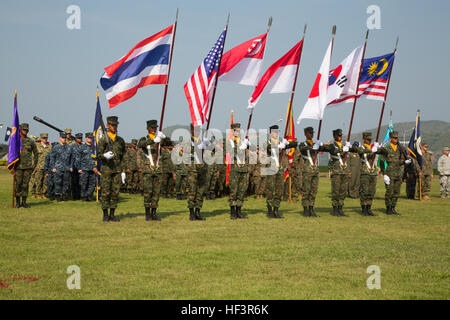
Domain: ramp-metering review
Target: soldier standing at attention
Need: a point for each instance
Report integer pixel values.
(25, 166)
(354, 164)
(181, 174)
(110, 151)
(69, 137)
(426, 172)
(43, 149)
(49, 176)
(167, 169)
(410, 173)
(444, 172)
(394, 156)
(85, 165)
(132, 168)
(75, 176)
(151, 169)
(60, 164)
(33, 182)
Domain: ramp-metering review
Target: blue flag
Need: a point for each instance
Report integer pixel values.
(98, 132)
(15, 143)
(386, 141)
(414, 146)
(8, 133)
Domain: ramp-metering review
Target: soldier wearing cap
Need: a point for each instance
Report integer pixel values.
(110, 151)
(426, 172)
(151, 169)
(69, 138)
(354, 164)
(26, 163)
(444, 173)
(43, 149)
(85, 165)
(131, 167)
(394, 155)
(274, 171)
(238, 179)
(368, 172)
(310, 171)
(181, 174)
(60, 165)
(168, 174)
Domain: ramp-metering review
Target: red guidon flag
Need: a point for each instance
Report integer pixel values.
(280, 75)
(242, 64)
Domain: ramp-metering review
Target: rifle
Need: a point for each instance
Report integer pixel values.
(50, 125)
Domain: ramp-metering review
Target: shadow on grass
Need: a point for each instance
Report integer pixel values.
(162, 215)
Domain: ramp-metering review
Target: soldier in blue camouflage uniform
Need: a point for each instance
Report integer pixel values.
(60, 164)
(85, 164)
(49, 176)
(74, 175)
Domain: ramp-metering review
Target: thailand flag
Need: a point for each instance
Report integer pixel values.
(242, 64)
(147, 63)
(279, 77)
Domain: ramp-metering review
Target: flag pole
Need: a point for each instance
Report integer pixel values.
(14, 174)
(356, 93)
(269, 24)
(333, 33)
(217, 77)
(166, 86)
(384, 100)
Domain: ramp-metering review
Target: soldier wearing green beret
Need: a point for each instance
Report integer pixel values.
(25, 165)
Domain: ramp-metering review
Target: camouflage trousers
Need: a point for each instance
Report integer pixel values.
(310, 186)
(444, 182)
(87, 183)
(40, 182)
(260, 185)
(411, 181)
(274, 188)
(180, 184)
(222, 178)
(152, 189)
(110, 187)
(212, 181)
(392, 191)
(167, 184)
(339, 189)
(426, 185)
(238, 187)
(132, 180)
(62, 181)
(22, 179)
(367, 189)
(196, 182)
(32, 183)
(296, 187)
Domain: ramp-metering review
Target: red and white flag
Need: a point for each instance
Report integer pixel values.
(317, 100)
(279, 77)
(242, 64)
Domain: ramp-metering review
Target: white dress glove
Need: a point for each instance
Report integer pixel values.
(281, 145)
(123, 177)
(244, 145)
(408, 161)
(386, 179)
(108, 155)
(285, 142)
(159, 136)
(316, 145)
(345, 148)
(375, 148)
(347, 144)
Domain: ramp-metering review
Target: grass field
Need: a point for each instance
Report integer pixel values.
(258, 258)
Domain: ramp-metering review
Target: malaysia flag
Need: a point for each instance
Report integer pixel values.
(279, 77)
(242, 64)
(147, 63)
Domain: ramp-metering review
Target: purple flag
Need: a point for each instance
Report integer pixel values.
(15, 143)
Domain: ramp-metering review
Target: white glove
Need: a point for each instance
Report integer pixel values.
(386, 179)
(316, 145)
(205, 143)
(376, 144)
(285, 142)
(123, 177)
(282, 145)
(244, 145)
(375, 148)
(345, 148)
(347, 144)
(108, 155)
(159, 136)
(408, 161)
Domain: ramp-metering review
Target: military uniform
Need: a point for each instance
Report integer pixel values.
(168, 170)
(427, 173)
(444, 174)
(24, 167)
(75, 176)
(61, 162)
(131, 166)
(181, 176)
(43, 151)
(296, 174)
(49, 177)
(112, 167)
(33, 182)
(86, 163)
(140, 157)
(354, 164)
(410, 173)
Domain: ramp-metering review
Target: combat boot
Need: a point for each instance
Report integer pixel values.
(369, 211)
(276, 214)
(24, 202)
(233, 213)
(238, 213)
(306, 211)
(335, 212)
(341, 212)
(154, 215)
(18, 204)
(105, 215)
(191, 214)
(212, 196)
(179, 197)
(389, 210)
(365, 210)
(197, 214)
(111, 215)
(312, 213)
(394, 211)
(147, 214)
(58, 198)
(270, 212)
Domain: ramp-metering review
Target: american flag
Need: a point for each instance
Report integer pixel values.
(197, 89)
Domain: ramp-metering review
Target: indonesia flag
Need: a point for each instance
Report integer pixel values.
(242, 64)
(280, 76)
(317, 100)
(147, 63)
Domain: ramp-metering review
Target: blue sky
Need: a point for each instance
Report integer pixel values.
(56, 70)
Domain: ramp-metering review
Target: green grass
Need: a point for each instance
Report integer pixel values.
(258, 258)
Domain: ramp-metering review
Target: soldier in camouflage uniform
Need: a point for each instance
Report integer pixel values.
(310, 172)
(60, 164)
(444, 173)
(85, 164)
(181, 175)
(132, 169)
(140, 157)
(394, 155)
(426, 172)
(112, 175)
(296, 173)
(33, 182)
(49, 176)
(43, 149)
(222, 168)
(69, 138)
(354, 164)
(410, 174)
(75, 176)
(260, 179)
(211, 179)
(25, 166)
(167, 169)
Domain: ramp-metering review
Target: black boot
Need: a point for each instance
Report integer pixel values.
(233, 215)
(105, 215)
(389, 210)
(58, 198)
(24, 202)
(197, 214)
(238, 213)
(179, 197)
(191, 214)
(270, 212)
(312, 213)
(154, 215)
(276, 214)
(18, 204)
(365, 210)
(111, 215)
(394, 211)
(341, 212)
(147, 214)
(335, 212)
(306, 212)
(369, 211)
